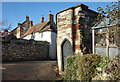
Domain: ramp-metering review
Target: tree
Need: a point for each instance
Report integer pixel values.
(5, 25)
(110, 16)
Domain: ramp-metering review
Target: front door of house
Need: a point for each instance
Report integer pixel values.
(66, 51)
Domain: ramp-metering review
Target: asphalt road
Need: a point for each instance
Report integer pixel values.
(28, 70)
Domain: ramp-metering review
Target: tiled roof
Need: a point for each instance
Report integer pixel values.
(40, 27)
(31, 29)
(37, 27)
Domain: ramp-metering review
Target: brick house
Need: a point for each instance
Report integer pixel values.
(22, 28)
(74, 32)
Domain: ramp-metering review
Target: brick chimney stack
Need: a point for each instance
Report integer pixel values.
(42, 19)
(50, 16)
(27, 18)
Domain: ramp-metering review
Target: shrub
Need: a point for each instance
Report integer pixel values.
(113, 67)
(79, 67)
(103, 62)
(110, 71)
(87, 66)
(71, 67)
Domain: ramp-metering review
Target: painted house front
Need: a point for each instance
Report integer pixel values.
(44, 31)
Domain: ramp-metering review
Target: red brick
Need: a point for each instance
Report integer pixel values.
(77, 47)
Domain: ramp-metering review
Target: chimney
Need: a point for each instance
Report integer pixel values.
(31, 23)
(19, 24)
(27, 18)
(5, 32)
(42, 19)
(50, 16)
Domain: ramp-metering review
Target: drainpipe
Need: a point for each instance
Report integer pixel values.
(107, 41)
(93, 41)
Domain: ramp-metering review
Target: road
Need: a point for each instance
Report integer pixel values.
(28, 70)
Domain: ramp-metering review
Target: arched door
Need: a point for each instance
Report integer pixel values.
(66, 51)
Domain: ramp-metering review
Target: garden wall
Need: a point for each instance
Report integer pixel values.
(112, 51)
(20, 49)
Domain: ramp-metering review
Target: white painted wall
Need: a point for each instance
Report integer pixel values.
(28, 37)
(49, 37)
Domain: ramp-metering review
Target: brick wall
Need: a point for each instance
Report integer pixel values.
(24, 50)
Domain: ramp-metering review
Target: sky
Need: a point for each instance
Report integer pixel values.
(16, 12)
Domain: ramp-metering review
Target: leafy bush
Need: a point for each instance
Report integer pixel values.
(71, 67)
(113, 67)
(87, 66)
(92, 67)
(103, 62)
(79, 67)
(110, 71)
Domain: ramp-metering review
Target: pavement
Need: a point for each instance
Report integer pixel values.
(28, 70)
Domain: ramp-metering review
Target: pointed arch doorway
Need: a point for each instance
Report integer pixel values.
(66, 49)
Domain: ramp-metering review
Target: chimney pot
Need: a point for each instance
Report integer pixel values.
(27, 18)
(49, 12)
(42, 19)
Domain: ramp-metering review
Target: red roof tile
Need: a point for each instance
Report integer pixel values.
(31, 30)
(36, 28)
(41, 26)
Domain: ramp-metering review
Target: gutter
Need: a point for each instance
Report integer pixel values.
(102, 26)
